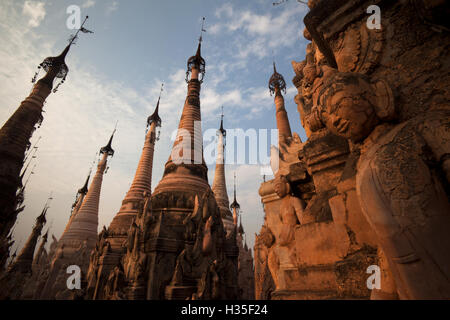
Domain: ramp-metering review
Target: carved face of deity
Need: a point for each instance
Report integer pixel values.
(281, 186)
(347, 107)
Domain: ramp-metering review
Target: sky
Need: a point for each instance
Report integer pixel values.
(115, 74)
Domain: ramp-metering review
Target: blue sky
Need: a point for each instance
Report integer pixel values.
(115, 74)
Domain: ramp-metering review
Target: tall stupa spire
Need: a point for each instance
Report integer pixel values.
(84, 224)
(41, 249)
(277, 85)
(15, 280)
(141, 186)
(80, 236)
(219, 186)
(182, 224)
(24, 260)
(235, 206)
(15, 137)
(186, 161)
(81, 194)
(132, 206)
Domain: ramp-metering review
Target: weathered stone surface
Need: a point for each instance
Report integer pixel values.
(321, 243)
(375, 108)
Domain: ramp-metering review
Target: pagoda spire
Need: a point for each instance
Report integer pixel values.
(141, 186)
(131, 208)
(80, 236)
(219, 186)
(85, 189)
(277, 85)
(15, 137)
(84, 224)
(24, 260)
(81, 194)
(186, 161)
(41, 249)
(235, 205)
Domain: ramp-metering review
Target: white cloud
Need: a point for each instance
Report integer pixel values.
(88, 4)
(214, 29)
(225, 10)
(258, 34)
(35, 11)
(113, 6)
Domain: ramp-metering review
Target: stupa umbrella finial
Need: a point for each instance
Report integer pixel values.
(221, 130)
(197, 62)
(235, 204)
(56, 66)
(108, 148)
(155, 116)
(276, 81)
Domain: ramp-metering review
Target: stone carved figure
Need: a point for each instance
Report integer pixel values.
(190, 259)
(308, 81)
(291, 210)
(402, 179)
(273, 262)
(114, 284)
(201, 265)
(207, 245)
(264, 284)
(291, 215)
(102, 247)
(131, 237)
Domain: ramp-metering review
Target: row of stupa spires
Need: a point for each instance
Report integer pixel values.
(142, 181)
(83, 222)
(141, 188)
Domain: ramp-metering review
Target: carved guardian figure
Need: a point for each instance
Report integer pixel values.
(402, 179)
